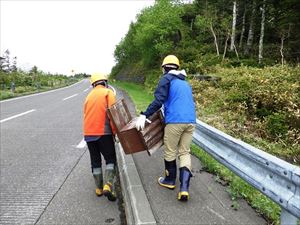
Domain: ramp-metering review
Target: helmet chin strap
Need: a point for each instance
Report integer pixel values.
(169, 67)
(101, 82)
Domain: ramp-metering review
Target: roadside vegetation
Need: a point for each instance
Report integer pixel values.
(258, 105)
(242, 60)
(20, 83)
(15, 82)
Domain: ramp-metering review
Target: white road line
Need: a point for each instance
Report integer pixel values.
(70, 97)
(82, 144)
(15, 116)
(86, 90)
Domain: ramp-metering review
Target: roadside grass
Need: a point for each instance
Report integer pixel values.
(27, 90)
(257, 105)
(137, 93)
(21, 91)
(237, 188)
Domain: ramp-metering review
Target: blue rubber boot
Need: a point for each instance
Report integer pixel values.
(184, 178)
(170, 175)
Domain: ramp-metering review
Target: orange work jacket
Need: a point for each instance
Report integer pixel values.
(96, 121)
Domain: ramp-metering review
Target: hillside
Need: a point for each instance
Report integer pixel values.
(251, 47)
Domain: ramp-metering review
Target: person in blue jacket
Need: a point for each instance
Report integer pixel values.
(174, 94)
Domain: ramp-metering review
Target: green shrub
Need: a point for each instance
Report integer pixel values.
(235, 95)
(255, 104)
(20, 89)
(276, 124)
(6, 94)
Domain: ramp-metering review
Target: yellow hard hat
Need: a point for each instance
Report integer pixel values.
(170, 59)
(97, 76)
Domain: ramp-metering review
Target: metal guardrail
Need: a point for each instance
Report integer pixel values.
(276, 178)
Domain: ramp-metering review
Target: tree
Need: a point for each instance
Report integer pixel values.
(154, 34)
(285, 17)
(234, 15)
(5, 61)
(262, 32)
(243, 26)
(206, 22)
(251, 29)
(13, 66)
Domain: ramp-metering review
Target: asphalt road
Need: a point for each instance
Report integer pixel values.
(45, 166)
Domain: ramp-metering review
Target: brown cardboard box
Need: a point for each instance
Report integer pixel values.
(132, 140)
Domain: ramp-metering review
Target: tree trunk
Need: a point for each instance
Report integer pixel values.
(283, 37)
(236, 52)
(234, 13)
(262, 33)
(243, 28)
(281, 50)
(225, 47)
(250, 33)
(215, 39)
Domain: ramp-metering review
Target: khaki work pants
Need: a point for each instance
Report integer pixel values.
(178, 137)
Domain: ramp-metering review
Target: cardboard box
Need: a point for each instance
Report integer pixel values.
(132, 140)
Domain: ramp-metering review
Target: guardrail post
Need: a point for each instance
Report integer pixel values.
(287, 219)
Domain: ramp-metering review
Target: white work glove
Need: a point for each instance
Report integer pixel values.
(140, 123)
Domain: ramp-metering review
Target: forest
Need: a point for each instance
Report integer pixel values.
(250, 33)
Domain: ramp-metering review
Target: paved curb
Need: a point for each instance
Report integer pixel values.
(137, 208)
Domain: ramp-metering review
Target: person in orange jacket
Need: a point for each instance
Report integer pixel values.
(99, 134)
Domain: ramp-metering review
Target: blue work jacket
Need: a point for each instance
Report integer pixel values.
(175, 95)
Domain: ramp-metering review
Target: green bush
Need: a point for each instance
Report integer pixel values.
(258, 105)
(6, 94)
(24, 89)
(235, 95)
(276, 125)
(202, 64)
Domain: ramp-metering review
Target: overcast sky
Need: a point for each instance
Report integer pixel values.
(61, 36)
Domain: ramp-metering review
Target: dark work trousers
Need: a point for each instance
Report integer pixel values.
(105, 146)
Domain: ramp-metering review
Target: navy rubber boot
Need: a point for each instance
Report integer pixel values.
(184, 178)
(170, 175)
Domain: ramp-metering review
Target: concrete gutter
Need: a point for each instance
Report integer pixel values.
(137, 207)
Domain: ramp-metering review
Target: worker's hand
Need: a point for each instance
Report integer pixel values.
(140, 123)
